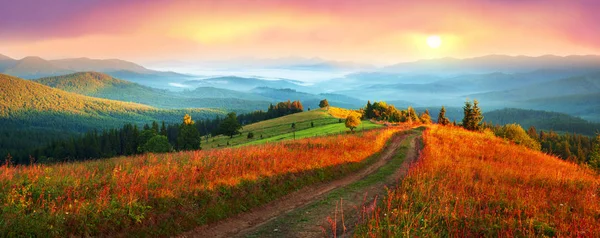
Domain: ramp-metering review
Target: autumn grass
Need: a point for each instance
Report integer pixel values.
(343, 113)
(165, 194)
(473, 184)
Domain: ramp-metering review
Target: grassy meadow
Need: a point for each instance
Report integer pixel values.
(469, 184)
(165, 194)
(325, 121)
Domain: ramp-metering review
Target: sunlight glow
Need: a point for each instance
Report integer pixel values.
(434, 41)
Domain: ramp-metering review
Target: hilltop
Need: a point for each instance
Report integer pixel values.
(489, 188)
(20, 96)
(317, 122)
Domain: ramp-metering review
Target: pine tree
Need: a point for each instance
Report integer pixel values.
(188, 137)
(368, 111)
(594, 159)
(230, 125)
(477, 116)
(472, 116)
(425, 118)
(412, 115)
(155, 126)
(467, 115)
(442, 119)
(163, 129)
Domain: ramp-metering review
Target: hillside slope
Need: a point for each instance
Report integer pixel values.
(489, 188)
(21, 95)
(105, 86)
(32, 114)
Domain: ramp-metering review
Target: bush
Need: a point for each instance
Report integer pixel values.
(515, 133)
(157, 144)
(250, 135)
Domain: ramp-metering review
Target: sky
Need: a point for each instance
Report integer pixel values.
(367, 31)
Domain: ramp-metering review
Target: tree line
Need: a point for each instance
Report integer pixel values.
(130, 139)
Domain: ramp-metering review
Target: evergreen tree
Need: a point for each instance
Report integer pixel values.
(230, 125)
(425, 118)
(188, 137)
(472, 116)
(594, 159)
(442, 119)
(468, 115)
(477, 116)
(368, 111)
(163, 129)
(412, 115)
(155, 126)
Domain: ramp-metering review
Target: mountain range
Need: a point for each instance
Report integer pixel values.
(564, 84)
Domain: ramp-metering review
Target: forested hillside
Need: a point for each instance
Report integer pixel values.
(32, 114)
(105, 86)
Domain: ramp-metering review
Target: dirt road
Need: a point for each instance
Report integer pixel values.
(261, 220)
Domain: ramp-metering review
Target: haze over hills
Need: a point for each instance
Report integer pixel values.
(496, 63)
(105, 86)
(35, 67)
(498, 81)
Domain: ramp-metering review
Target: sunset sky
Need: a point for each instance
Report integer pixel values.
(371, 31)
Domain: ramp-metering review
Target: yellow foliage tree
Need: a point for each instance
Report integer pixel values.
(352, 122)
(187, 119)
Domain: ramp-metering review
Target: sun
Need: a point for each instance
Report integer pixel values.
(434, 41)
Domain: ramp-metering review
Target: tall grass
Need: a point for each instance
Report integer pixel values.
(472, 184)
(161, 194)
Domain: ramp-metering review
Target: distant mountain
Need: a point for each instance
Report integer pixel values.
(243, 84)
(543, 120)
(4, 57)
(107, 65)
(586, 106)
(33, 67)
(496, 63)
(581, 85)
(87, 83)
(212, 92)
(105, 86)
(307, 99)
(290, 63)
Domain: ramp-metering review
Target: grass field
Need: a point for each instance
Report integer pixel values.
(165, 194)
(469, 184)
(323, 123)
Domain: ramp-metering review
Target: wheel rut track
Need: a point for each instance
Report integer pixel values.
(249, 221)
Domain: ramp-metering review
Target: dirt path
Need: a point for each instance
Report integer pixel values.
(323, 217)
(250, 221)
